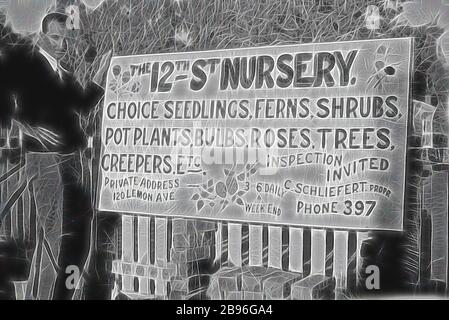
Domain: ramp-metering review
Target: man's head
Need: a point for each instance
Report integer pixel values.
(54, 35)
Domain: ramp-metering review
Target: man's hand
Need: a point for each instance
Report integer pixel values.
(99, 77)
(46, 138)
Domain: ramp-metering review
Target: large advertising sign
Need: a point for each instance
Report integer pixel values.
(298, 135)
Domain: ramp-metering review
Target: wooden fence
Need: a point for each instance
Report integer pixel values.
(303, 250)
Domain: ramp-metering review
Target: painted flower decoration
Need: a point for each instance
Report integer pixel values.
(224, 191)
(383, 69)
(123, 83)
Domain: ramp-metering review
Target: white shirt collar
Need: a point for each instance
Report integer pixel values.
(52, 61)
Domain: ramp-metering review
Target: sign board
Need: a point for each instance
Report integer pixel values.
(299, 135)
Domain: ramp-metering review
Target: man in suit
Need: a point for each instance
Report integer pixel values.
(40, 96)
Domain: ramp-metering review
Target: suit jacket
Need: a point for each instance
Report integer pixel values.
(44, 98)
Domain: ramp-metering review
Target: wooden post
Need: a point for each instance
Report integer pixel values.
(218, 243)
(318, 251)
(255, 245)
(234, 243)
(340, 270)
(275, 247)
(161, 258)
(3, 191)
(127, 250)
(296, 250)
(361, 237)
(144, 252)
(439, 214)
